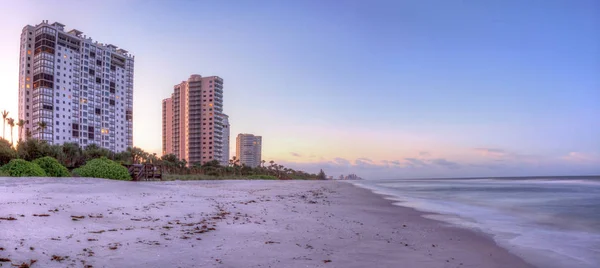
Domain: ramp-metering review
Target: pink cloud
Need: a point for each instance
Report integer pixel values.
(491, 152)
(582, 157)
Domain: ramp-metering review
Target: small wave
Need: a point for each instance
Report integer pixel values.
(578, 182)
(543, 244)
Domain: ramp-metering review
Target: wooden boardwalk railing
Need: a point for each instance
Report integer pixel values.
(145, 172)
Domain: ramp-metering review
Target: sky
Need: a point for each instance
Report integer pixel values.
(383, 89)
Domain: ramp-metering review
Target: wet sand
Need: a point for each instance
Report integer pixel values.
(101, 223)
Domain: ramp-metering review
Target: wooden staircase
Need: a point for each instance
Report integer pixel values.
(145, 172)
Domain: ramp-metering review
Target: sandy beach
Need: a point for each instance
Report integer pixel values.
(53, 222)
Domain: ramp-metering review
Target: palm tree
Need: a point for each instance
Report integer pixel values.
(263, 163)
(232, 160)
(20, 124)
(73, 153)
(4, 116)
(137, 154)
(235, 163)
(279, 168)
(11, 123)
(42, 126)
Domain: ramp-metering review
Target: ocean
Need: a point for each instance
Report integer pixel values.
(548, 221)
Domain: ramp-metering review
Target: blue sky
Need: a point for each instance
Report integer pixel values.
(386, 81)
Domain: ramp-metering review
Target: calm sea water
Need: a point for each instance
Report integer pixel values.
(550, 222)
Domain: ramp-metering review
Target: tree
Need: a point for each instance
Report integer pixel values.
(137, 154)
(6, 152)
(183, 163)
(235, 163)
(11, 123)
(4, 116)
(246, 170)
(123, 157)
(321, 175)
(56, 151)
(73, 154)
(93, 151)
(31, 149)
(232, 161)
(263, 163)
(41, 126)
(169, 158)
(20, 124)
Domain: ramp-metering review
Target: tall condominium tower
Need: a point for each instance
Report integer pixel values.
(194, 126)
(248, 149)
(167, 126)
(81, 90)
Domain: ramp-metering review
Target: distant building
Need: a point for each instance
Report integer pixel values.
(248, 149)
(199, 130)
(81, 89)
(349, 177)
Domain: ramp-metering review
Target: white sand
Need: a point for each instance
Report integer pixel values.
(256, 224)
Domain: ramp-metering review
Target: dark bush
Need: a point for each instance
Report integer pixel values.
(31, 149)
(6, 152)
(22, 168)
(103, 168)
(52, 167)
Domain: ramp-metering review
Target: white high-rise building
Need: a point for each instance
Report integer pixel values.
(248, 149)
(81, 89)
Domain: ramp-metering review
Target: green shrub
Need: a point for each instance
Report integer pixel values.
(31, 149)
(103, 168)
(52, 167)
(262, 177)
(6, 152)
(22, 168)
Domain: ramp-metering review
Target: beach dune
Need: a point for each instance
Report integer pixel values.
(75, 222)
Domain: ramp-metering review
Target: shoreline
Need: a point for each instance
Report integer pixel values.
(439, 218)
(435, 218)
(104, 223)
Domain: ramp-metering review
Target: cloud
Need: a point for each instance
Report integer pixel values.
(445, 163)
(341, 161)
(424, 154)
(492, 152)
(581, 157)
(499, 155)
(415, 162)
(502, 163)
(493, 166)
(365, 163)
(295, 154)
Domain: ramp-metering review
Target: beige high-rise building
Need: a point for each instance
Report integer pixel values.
(167, 126)
(248, 149)
(194, 118)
